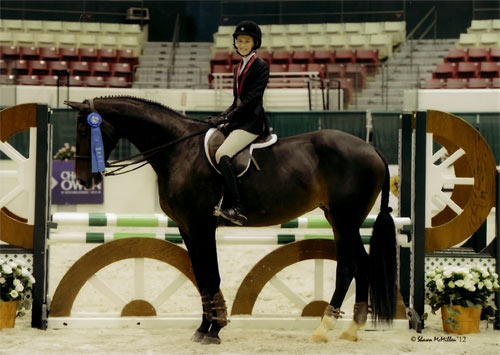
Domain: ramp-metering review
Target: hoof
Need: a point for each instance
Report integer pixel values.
(197, 336)
(210, 340)
(348, 336)
(319, 335)
(319, 338)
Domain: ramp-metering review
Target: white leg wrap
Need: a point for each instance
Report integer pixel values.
(328, 322)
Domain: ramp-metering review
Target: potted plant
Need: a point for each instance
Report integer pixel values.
(15, 291)
(461, 293)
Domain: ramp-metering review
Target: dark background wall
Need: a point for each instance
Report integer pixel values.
(198, 20)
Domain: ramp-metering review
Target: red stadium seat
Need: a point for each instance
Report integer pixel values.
(28, 80)
(121, 70)
(235, 58)
(479, 83)
(48, 80)
(456, 83)
(324, 56)
(80, 69)
(495, 54)
(9, 53)
(266, 56)
(4, 68)
(107, 55)
(7, 79)
(495, 83)
(456, 55)
(478, 54)
(434, 84)
(95, 81)
(68, 54)
(87, 54)
(222, 58)
(117, 82)
(75, 80)
(127, 56)
(29, 53)
(317, 67)
(335, 71)
(356, 72)
(39, 67)
(59, 67)
(20, 67)
(278, 68)
(489, 69)
(281, 57)
(302, 56)
(445, 71)
(219, 68)
(367, 56)
(345, 56)
(468, 70)
(100, 69)
(49, 53)
(297, 68)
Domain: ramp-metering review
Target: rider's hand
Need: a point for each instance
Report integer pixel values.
(215, 121)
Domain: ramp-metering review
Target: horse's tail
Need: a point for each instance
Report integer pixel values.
(383, 263)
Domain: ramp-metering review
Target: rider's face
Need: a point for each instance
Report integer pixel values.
(244, 43)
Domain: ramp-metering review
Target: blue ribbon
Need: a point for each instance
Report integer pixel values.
(97, 146)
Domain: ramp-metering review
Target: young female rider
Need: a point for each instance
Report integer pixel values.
(245, 119)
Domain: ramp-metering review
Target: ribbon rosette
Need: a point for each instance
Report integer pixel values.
(97, 146)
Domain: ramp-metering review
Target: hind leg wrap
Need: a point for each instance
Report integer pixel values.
(328, 321)
(358, 321)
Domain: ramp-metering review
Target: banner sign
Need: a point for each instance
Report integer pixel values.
(67, 191)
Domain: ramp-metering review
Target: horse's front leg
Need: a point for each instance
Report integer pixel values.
(203, 253)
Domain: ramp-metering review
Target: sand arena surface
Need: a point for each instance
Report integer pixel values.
(235, 262)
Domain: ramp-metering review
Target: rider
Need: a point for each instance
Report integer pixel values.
(245, 120)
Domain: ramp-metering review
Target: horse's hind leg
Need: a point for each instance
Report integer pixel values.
(360, 312)
(352, 262)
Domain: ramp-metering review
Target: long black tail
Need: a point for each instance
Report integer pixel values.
(383, 262)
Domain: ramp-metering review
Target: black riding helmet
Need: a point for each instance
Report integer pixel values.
(249, 28)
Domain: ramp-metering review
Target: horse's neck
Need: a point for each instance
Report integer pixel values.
(147, 127)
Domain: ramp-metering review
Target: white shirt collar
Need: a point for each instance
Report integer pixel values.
(245, 60)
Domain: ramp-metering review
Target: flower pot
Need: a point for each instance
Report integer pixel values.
(8, 314)
(460, 320)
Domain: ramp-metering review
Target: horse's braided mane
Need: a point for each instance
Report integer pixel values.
(150, 102)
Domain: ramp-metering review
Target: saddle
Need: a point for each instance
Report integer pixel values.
(241, 161)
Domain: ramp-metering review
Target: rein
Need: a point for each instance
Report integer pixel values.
(144, 156)
(141, 157)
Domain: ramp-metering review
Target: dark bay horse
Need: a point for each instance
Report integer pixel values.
(329, 169)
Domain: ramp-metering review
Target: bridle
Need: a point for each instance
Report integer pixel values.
(142, 157)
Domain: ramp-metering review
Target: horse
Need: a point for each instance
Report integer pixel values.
(337, 172)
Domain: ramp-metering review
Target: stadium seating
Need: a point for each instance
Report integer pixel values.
(46, 49)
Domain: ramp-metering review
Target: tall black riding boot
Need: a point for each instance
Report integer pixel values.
(236, 213)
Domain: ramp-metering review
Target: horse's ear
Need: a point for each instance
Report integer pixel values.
(80, 106)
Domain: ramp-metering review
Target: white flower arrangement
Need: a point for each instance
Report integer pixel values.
(66, 152)
(466, 287)
(16, 284)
